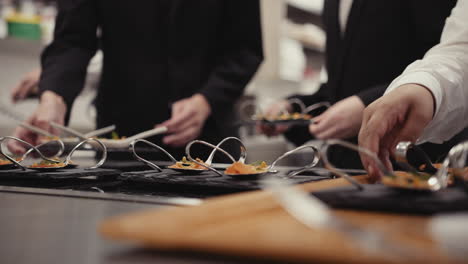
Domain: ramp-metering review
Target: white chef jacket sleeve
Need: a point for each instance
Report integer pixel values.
(444, 71)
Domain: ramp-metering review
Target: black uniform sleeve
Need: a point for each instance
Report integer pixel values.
(65, 60)
(428, 20)
(368, 96)
(241, 56)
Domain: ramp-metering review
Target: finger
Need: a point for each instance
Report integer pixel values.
(384, 156)
(43, 123)
(26, 89)
(329, 133)
(182, 138)
(370, 139)
(178, 107)
(18, 147)
(412, 128)
(266, 129)
(322, 123)
(179, 118)
(182, 121)
(15, 93)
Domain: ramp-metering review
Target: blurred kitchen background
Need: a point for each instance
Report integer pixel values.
(293, 41)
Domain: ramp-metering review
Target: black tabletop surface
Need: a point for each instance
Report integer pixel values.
(52, 229)
(55, 220)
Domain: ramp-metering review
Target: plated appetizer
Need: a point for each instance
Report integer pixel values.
(186, 164)
(284, 117)
(301, 116)
(46, 164)
(5, 162)
(408, 180)
(239, 168)
(51, 164)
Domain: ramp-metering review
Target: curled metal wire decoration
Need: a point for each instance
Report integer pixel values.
(102, 146)
(270, 168)
(316, 106)
(32, 148)
(67, 160)
(147, 162)
(295, 101)
(188, 148)
(341, 173)
(314, 162)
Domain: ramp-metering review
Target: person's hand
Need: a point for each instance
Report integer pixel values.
(275, 110)
(401, 115)
(51, 108)
(342, 120)
(27, 86)
(187, 120)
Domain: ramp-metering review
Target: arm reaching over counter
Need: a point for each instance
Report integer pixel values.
(399, 116)
(187, 120)
(429, 101)
(28, 86)
(52, 108)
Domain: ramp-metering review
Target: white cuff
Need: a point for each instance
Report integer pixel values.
(422, 78)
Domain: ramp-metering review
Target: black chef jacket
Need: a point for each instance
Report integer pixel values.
(155, 53)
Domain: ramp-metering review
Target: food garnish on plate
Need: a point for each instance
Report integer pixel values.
(284, 117)
(408, 180)
(48, 164)
(5, 162)
(188, 165)
(239, 168)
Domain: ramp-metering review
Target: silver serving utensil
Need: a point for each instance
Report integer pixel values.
(100, 131)
(125, 143)
(242, 157)
(58, 154)
(314, 162)
(401, 153)
(456, 159)
(20, 120)
(295, 101)
(11, 159)
(243, 154)
(187, 171)
(23, 157)
(325, 172)
(147, 162)
(390, 179)
(313, 107)
(269, 169)
(63, 164)
(339, 172)
(68, 130)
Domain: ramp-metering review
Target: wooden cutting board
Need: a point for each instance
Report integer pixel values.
(254, 225)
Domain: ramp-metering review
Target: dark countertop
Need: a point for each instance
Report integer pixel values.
(49, 229)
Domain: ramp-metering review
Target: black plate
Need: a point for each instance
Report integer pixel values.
(255, 176)
(206, 181)
(293, 122)
(69, 166)
(187, 171)
(378, 197)
(7, 166)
